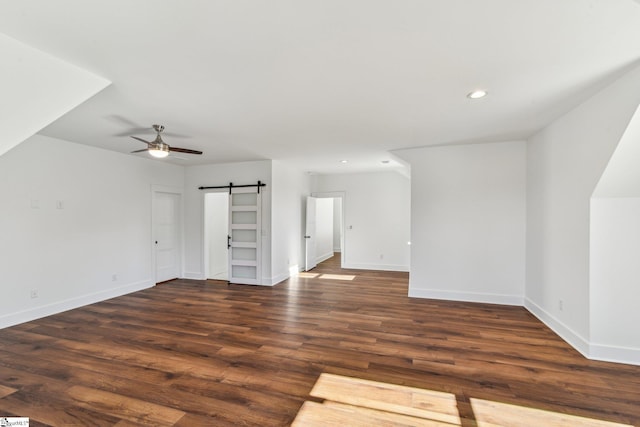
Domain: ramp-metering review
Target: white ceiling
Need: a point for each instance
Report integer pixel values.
(318, 81)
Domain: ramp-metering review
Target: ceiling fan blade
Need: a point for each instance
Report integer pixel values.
(184, 150)
(141, 140)
(116, 118)
(175, 135)
(140, 151)
(130, 131)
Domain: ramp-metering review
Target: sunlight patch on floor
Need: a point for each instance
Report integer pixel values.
(359, 402)
(305, 275)
(490, 414)
(337, 276)
(6, 391)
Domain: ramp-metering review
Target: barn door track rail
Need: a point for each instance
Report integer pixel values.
(231, 186)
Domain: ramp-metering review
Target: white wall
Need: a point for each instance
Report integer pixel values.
(468, 222)
(376, 218)
(324, 229)
(615, 245)
(615, 279)
(564, 163)
(291, 186)
(214, 175)
(70, 255)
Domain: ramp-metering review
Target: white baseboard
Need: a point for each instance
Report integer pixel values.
(71, 303)
(324, 257)
(218, 272)
(194, 275)
(277, 279)
(593, 351)
(266, 281)
(574, 339)
(607, 353)
(467, 296)
(381, 267)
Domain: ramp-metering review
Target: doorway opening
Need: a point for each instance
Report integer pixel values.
(324, 236)
(216, 228)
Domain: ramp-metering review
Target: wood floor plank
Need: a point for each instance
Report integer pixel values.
(491, 414)
(135, 410)
(421, 403)
(313, 414)
(206, 353)
(40, 399)
(6, 391)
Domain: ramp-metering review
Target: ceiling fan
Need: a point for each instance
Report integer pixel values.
(160, 149)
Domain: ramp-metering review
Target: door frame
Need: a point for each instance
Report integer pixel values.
(343, 237)
(155, 189)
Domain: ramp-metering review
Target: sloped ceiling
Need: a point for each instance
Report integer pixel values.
(621, 178)
(36, 89)
(319, 81)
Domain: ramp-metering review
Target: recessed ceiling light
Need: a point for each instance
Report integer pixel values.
(477, 94)
(344, 161)
(385, 162)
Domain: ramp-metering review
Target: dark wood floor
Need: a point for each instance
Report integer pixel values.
(191, 353)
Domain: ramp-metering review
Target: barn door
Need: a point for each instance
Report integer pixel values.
(244, 239)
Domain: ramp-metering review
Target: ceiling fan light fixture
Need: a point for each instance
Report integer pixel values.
(477, 94)
(160, 151)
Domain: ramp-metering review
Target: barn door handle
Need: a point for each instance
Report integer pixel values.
(228, 242)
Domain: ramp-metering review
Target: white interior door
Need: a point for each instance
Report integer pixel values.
(310, 235)
(216, 254)
(167, 237)
(245, 230)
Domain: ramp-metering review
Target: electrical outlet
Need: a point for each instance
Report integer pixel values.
(34, 293)
(560, 305)
(114, 277)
